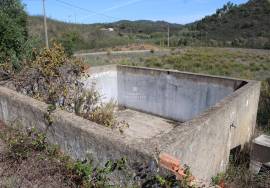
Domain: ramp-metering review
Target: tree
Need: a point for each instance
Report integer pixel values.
(13, 34)
(70, 41)
(226, 8)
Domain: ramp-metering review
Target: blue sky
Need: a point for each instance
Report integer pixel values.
(93, 11)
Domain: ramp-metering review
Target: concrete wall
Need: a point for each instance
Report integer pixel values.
(170, 94)
(104, 79)
(77, 137)
(203, 143)
(174, 95)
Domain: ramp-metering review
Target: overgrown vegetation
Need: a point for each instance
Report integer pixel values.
(69, 41)
(239, 175)
(33, 145)
(16, 46)
(246, 25)
(13, 35)
(54, 78)
(29, 152)
(217, 61)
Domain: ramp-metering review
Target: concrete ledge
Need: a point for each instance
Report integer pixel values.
(220, 80)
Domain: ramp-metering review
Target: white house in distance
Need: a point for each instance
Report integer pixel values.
(107, 29)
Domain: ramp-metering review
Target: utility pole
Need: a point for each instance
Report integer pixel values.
(75, 16)
(45, 25)
(168, 35)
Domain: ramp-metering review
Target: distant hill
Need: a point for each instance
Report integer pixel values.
(96, 36)
(246, 25)
(145, 26)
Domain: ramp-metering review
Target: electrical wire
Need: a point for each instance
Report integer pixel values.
(87, 10)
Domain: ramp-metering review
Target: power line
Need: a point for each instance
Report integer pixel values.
(127, 3)
(87, 10)
(33, 1)
(168, 35)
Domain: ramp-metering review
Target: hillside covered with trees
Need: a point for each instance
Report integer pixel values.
(246, 25)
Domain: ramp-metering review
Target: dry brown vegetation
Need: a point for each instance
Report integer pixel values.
(26, 160)
(55, 79)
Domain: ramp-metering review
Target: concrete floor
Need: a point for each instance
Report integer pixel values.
(143, 125)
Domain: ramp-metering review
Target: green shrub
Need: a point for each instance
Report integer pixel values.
(216, 180)
(70, 41)
(13, 34)
(20, 145)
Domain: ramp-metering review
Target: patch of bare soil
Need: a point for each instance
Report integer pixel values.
(37, 170)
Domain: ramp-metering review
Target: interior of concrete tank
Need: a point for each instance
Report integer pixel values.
(172, 95)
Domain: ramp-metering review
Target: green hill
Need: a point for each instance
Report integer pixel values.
(246, 25)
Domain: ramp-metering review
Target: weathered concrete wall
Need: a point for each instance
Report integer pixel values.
(174, 95)
(203, 143)
(77, 137)
(170, 94)
(104, 79)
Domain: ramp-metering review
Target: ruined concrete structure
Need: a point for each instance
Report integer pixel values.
(195, 118)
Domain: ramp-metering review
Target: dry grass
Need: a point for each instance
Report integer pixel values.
(239, 175)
